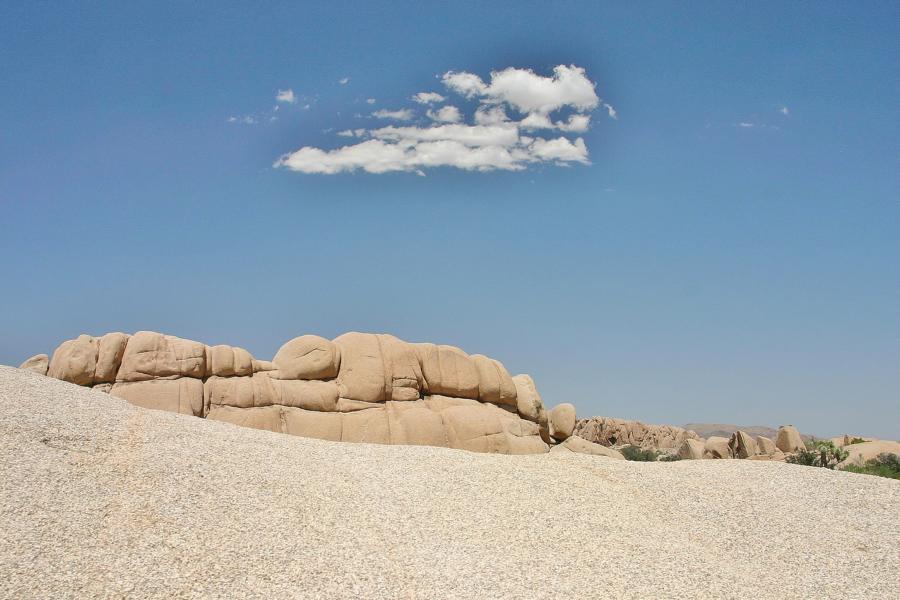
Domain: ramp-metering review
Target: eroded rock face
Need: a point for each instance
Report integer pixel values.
(39, 363)
(742, 445)
(359, 387)
(609, 431)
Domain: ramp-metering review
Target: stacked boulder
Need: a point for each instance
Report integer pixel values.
(741, 445)
(359, 387)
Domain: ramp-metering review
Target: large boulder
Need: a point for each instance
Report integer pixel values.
(494, 382)
(150, 355)
(562, 421)
(377, 368)
(582, 446)
(183, 395)
(228, 361)
(308, 357)
(742, 445)
(529, 404)
(110, 349)
(716, 447)
(691, 449)
(75, 360)
(766, 446)
(39, 363)
(448, 371)
(789, 440)
(859, 454)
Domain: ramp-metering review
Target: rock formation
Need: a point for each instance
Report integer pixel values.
(359, 387)
(789, 440)
(609, 431)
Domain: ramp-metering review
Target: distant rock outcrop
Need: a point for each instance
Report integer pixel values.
(609, 431)
(359, 387)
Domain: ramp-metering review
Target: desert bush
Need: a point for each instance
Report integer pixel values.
(639, 454)
(668, 457)
(819, 453)
(885, 465)
(856, 441)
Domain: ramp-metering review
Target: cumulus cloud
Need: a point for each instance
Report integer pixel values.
(428, 98)
(492, 141)
(447, 114)
(527, 91)
(403, 114)
(287, 96)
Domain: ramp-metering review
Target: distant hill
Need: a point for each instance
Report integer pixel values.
(706, 430)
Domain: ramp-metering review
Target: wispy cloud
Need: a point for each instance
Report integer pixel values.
(784, 110)
(493, 141)
(344, 80)
(403, 114)
(428, 98)
(611, 111)
(286, 96)
(370, 100)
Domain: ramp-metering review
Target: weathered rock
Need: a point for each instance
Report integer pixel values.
(863, 452)
(360, 387)
(111, 348)
(377, 368)
(102, 387)
(765, 446)
(448, 371)
(149, 355)
(228, 361)
(183, 395)
(691, 449)
(39, 363)
(308, 357)
(609, 431)
(562, 421)
(789, 440)
(75, 360)
(494, 382)
(582, 446)
(742, 445)
(716, 447)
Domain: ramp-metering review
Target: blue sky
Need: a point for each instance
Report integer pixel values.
(695, 270)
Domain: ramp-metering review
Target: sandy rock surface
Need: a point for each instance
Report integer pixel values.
(103, 499)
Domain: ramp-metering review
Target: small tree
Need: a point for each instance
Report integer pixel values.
(819, 453)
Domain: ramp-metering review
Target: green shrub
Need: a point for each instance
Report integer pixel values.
(639, 454)
(886, 465)
(856, 441)
(819, 453)
(668, 457)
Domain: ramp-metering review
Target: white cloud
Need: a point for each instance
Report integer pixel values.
(611, 111)
(576, 123)
(245, 120)
(344, 80)
(527, 91)
(403, 114)
(492, 141)
(428, 98)
(560, 150)
(470, 135)
(352, 133)
(286, 96)
(745, 124)
(447, 114)
(784, 110)
(370, 100)
(490, 115)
